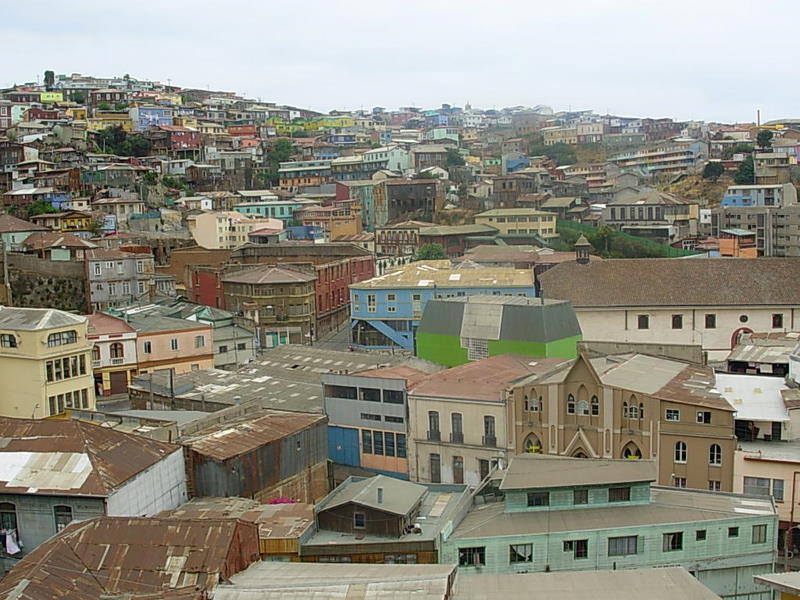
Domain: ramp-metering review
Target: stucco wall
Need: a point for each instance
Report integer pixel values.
(161, 487)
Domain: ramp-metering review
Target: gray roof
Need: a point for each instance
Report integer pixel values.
(530, 471)
(501, 317)
(152, 323)
(783, 582)
(398, 497)
(456, 230)
(319, 581)
(667, 506)
(765, 350)
(35, 319)
(668, 583)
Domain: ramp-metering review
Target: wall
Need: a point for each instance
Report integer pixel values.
(770, 469)
(160, 487)
(163, 356)
(40, 283)
(687, 352)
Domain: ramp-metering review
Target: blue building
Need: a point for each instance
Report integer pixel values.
(146, 117)
(759, 195)
(311, 233)
(386, 310)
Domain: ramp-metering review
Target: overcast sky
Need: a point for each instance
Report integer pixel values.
(701, 59)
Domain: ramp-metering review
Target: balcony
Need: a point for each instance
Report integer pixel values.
(457, 437)
(434, 436)
(117, 361)
(490, 441)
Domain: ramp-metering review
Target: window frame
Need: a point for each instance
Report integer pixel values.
(672, 541)
(623, 490)
(515, 557)
(623, 540)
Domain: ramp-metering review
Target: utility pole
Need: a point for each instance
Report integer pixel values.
(6, 279)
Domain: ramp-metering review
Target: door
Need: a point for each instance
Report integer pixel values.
(119, 382)
(343, 446)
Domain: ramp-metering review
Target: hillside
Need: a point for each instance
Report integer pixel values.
(694, 187)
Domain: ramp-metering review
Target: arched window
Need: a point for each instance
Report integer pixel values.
(641, 410)
(63, 516)
(631, 451)
(117, 350)
(583, 407)
(595, 406)
(95, 352)
(680, 452)
(624, 410)
(715, 455)
(533, 445)
(633, 408)
(571, 404)
(61, 338)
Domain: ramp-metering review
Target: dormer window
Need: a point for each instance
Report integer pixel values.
(8, 340)
(62, 338)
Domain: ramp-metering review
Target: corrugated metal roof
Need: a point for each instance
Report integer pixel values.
(71, 458)
(529, 471)
(441, 274)
(396, 496)
(754, 397)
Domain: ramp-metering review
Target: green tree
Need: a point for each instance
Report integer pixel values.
(454, 158)
(40, 207)
(49, 80)
(104, 106)
(764, 138)
(713, 170)
(115, 140)
(78, 97)
(281, 152)
(746, 173)
(430, 252)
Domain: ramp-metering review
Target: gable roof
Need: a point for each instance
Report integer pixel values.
(35, 319)
(56, 239)
(10, 224)
(71, 458)
(531, 471)
(671, 282)
(268, 274)
(399, 497)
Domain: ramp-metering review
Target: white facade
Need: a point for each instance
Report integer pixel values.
(624, 324)
(106, 356)
(161, 487)
(227, 229)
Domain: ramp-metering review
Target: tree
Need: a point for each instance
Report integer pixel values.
(746, 173)
(430, 252)
(104, 106)
(49, 80)
(764, 138)
(713, 170)
(281, 152)
(78, 97)
(40, 207)
(454, 158)
(115, 140)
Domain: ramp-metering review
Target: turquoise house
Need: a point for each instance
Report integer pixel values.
(546, 513)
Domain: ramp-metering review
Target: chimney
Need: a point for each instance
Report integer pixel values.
(380, 495)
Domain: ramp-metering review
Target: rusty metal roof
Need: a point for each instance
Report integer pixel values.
(71, 458)
(153, 558)
(275, 521)
(233, 438)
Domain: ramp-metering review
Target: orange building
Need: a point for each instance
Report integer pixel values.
(340, 218)
(738, 243)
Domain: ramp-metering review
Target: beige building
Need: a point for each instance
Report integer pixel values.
(227, 229)
(629, 406)
(45, 362)
(708, 302)
(520, 221)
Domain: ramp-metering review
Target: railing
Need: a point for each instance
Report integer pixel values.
(434, 435)
(117, 361)
(490, 441)
(457, 437)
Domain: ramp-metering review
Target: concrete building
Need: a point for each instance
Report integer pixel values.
(648, 213)
(669, 157)
(774, 227)
(45, 362)
(227, 229)
(399, 239)
(454, 331)
(407, 199)
(386, 310)
(117, 277)
(759, 195)
(562, 514)
(520, 222)
(114, 360)
(706, 301)
(57, 471)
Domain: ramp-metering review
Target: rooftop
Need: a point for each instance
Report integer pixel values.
(514, 212)
(441, 274)
(782, 582)
(667, 506)
(11, 224)
(765, 348)
(754, 397)
(37, 319)
(457, 230)
(773, 451)
(103, 324)
(247, 433)
(144, 322)
(268, 274)
(529, 471)
(56, 239)
(71, 458)
(669, 282)
(383, 493)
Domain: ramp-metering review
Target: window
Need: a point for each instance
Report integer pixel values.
(393, 419)
(400, 438)
(63, 516)
(95, 354)
(8, 340)
(619, 494)
(733, 532)
(199, 341)
(377, 441)
(391, 297)
(633, 412)
(777, 490)
(112, 289)
(433, 425)
(622, 546)
(570, 404)
(8, 516)
(777, 321)
(520, 553)
(117, 350)
(62, 338)
(700, 535)
(759, 534)
(624, 410)
(140, 286)
(456, 428)
(679, 482)
(580, 496)
(715, 455)
(222, 349)
(393, 396)
(643, 321)
(366, 441)
(680, 452)
(371, 303)
(458, 469)
(583, 407)
(173, 343)
(743, 318)
(140, 266)
(356, 303)
(538, 498)
(470, 557)
(673, 414)
(370, 417)
(489, 437)
(126, 288)
(147, 347)
(595, 406)
(98, 269)
(714, 485)
(436, 468)
(677, 321)
(711, 321)
(579, 548)
(673, 541)
(359, 520)
(703, 416)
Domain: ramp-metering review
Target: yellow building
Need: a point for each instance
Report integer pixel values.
(103, 120)
(520, 221)
(77, 114)
(49, 97)
(45, 362)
